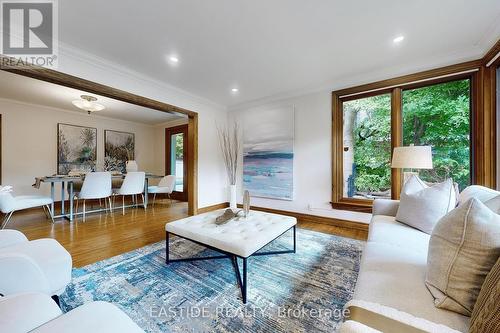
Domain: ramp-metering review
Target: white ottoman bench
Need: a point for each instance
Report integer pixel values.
(239, 238)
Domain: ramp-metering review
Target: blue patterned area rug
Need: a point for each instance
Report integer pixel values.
(302, 292)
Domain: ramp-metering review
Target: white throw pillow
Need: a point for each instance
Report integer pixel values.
(494, 204)
(422, 206)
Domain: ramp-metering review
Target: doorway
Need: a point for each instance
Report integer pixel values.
(176, 159)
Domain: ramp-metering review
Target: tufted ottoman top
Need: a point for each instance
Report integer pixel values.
(242, 237)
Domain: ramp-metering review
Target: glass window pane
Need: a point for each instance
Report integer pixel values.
(439, 116)
(367, 147)
(177, 160)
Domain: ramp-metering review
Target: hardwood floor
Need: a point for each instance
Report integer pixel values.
(105, 235)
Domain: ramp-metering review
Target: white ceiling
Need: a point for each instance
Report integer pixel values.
(28, 90)
(276, 47)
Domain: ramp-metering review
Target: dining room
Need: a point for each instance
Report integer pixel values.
(89, 169)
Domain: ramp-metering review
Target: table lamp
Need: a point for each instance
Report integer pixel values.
(412, 157)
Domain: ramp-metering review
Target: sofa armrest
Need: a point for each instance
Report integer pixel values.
(390, 320)
(385, 207)
(352, 326)
(19, 273)
(22, 313)
(11, 237)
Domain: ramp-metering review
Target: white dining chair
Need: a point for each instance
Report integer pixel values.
(96, 185)
(166, 185)
(10, 204)
(132, 185)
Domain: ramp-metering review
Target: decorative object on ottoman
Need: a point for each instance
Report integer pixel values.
(246, 203)
(422, 206)
(464, 246)
(486, 313)
(230, 145)
(227, 216)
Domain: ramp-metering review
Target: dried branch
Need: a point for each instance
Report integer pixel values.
(230, 145)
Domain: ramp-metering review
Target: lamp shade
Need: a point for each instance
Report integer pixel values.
(412, 157)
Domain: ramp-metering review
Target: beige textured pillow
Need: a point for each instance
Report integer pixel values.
(486, 314)
(464, 246)
(421, 206)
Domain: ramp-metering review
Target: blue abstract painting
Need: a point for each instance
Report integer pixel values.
(268, 153)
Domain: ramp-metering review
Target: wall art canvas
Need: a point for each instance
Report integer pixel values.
(76, 148)
(268, 137)
(119, 147)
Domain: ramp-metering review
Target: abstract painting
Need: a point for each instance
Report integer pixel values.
(119, 147)
(268, 153)
(76, 148)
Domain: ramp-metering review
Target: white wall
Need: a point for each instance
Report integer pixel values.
(312, 158)
(29, 142)
(212, 182)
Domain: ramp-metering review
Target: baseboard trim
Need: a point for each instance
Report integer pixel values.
(301, 217)
(213, 207)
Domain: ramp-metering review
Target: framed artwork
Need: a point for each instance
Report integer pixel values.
(268, 137)
(76, 148)
(119, 147)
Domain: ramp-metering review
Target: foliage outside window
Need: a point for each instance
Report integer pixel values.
(367, 147)
(439, 116)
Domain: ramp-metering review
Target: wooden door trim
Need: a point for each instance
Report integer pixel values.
(169, 131)
(66, 80)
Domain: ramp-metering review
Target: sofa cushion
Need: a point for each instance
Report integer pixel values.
(395, 277)
(385, 229)
(463, 248)
(421, 206)
(486, 313)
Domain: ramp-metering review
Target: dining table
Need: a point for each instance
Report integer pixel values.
(67, 184)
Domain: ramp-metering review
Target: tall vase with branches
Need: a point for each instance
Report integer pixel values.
(230, 145)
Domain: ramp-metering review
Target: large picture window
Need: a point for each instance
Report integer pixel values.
(368, 125)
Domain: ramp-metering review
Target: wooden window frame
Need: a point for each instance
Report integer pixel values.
(483, 128)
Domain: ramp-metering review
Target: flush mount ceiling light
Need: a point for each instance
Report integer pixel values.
(88, 103)
(398, 39)
(235, 90)
(173, 60)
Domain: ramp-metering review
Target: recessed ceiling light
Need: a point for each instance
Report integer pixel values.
(398, 39)
(173, 59)
(235, 90)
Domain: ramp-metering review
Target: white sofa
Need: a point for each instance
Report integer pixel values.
(41, 265)
(390, 294)
(38, 313)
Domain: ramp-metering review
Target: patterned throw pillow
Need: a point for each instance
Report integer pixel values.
(486, 314)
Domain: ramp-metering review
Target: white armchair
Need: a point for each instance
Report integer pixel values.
(166, 185)
(42, 265)
(10, 204)
(37, 313)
